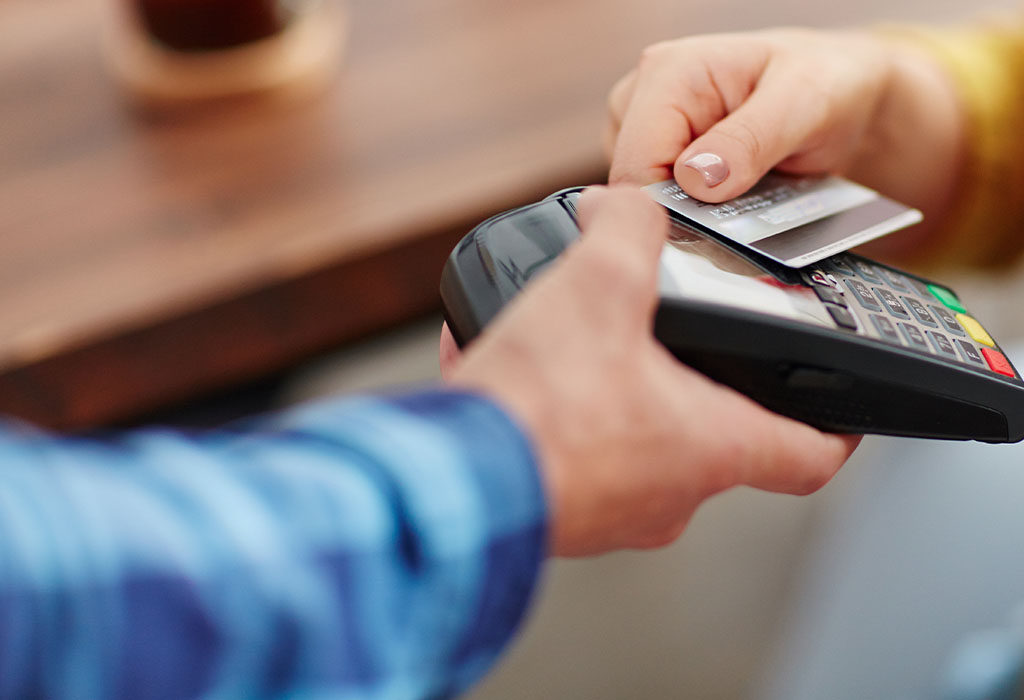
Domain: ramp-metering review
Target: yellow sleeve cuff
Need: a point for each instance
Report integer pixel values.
(986, 65)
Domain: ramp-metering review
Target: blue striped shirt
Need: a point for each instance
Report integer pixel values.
(365, 548)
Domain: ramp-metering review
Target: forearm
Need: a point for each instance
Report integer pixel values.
(345, 549)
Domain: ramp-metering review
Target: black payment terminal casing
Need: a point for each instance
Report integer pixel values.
(847, 345)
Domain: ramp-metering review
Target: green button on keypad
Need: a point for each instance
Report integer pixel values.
(947, 297)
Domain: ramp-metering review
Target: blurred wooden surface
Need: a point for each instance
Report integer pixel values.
(144, 261)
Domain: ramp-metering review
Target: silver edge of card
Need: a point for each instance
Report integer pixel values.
(909, 217)
(901, 220)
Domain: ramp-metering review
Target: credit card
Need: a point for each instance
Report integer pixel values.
(795, 220)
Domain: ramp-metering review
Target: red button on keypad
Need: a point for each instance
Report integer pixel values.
(998, 362)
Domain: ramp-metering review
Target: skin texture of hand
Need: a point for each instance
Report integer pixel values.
(717, 112)
(630, 441)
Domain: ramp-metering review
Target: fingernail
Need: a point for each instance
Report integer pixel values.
(711, 167)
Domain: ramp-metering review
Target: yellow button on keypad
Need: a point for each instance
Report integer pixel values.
(975, 330)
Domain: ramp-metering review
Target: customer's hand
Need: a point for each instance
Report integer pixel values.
(630, 441)
(717, 112)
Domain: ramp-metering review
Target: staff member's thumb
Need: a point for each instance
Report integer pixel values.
(623, 233)
(613, 270)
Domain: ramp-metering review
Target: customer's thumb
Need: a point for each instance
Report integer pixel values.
(730, 157)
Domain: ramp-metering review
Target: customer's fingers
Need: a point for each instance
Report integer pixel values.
(651, 136)
(679, 91)
(778, 120)
(618, 104)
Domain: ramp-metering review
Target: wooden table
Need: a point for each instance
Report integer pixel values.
(145, 261)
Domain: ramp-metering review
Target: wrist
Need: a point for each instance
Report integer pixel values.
(519, 399)
(914, 147)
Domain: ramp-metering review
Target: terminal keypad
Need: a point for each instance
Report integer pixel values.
(868, 271)
(863, 295)
(892, 303)
(898, 282)
(901, 310)
(920, 311)
(947, 319)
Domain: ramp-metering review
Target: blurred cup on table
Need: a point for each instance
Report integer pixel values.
(172, 52)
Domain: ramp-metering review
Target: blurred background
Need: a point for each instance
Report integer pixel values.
(194, 226)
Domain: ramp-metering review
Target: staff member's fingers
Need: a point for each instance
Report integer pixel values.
(623, 233)
(449, 353)
(801, 460)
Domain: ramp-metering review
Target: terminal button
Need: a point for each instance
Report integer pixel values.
(998, 362)
(969, 353)
(840, 265)
(898, 281)
(892, 303)
(886, 329)
(920, 311)
(942, 344)
(975, 330)
(829, 295)
(842, 316)
(867, 271)
(947, 318)
(914, 337)
(947, 297)
(863, 295)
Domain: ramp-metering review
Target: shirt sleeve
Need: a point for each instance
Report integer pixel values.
(986, 64)
(365, 548)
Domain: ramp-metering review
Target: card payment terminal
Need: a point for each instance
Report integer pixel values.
(845, 344)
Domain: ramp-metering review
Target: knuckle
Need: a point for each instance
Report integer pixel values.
(814, 478)
(747, 138)
(667, 57)
(657, 541)
(657, 53)
(616, 102)
(663, 536)
(723, 476)
(820, 100)
(613, 106)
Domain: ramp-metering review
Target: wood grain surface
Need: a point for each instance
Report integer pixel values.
(147, 259)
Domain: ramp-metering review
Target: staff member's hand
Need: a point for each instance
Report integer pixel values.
(717, 112)
(630, 441)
